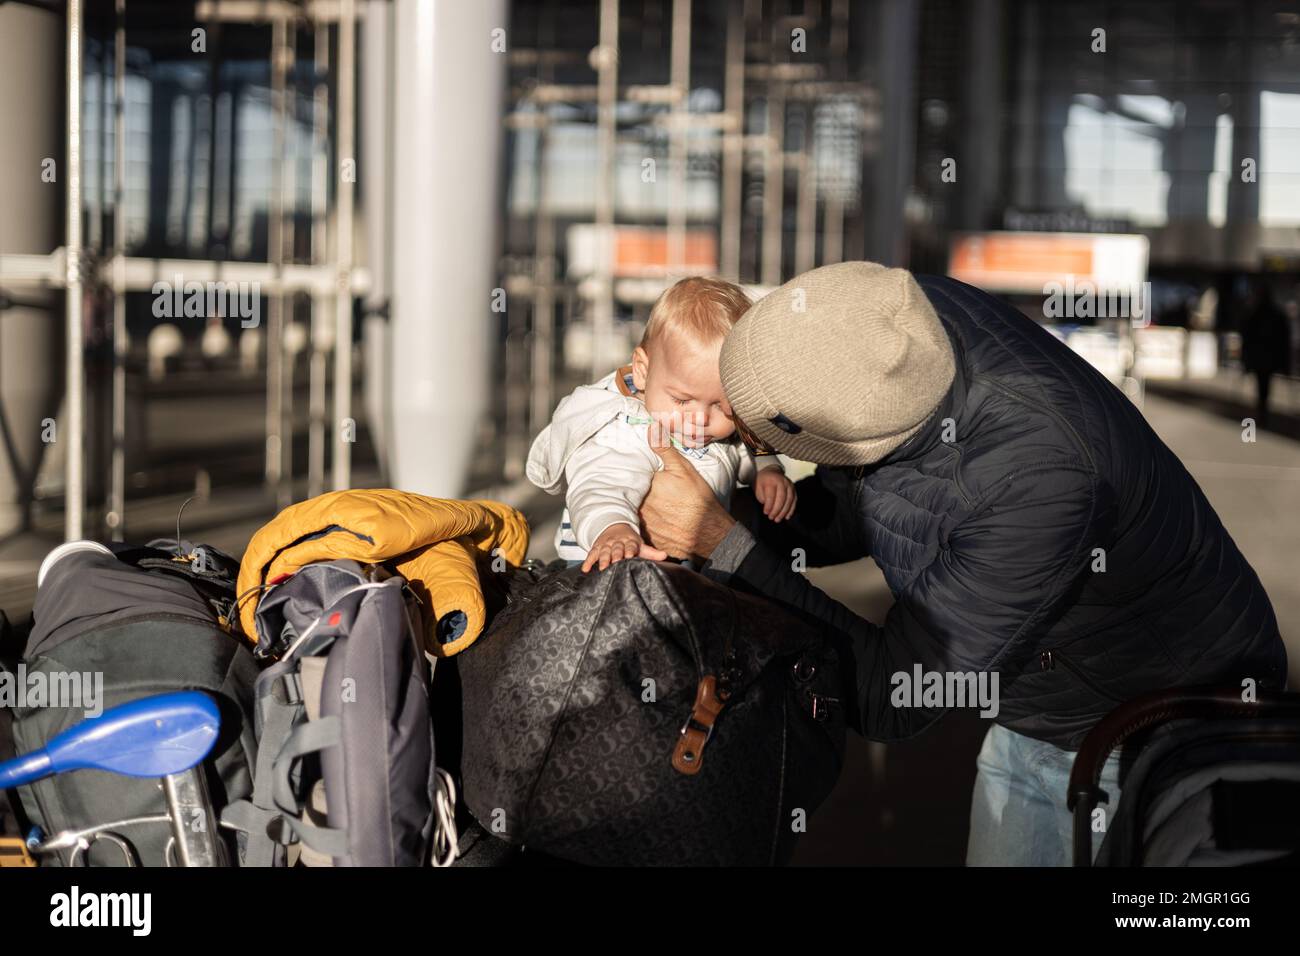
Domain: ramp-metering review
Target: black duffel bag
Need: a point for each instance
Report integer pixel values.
(140, 621)
(645, 715)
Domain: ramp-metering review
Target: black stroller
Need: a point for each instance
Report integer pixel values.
(1212, 780)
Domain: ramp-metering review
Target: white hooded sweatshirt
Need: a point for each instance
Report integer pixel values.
(596, 453)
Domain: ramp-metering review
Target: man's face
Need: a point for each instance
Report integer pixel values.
(682, 388)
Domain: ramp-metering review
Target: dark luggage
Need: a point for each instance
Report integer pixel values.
(1207, 779)
(146, 621)
(346, 742)
(12, 826)
(645, 715)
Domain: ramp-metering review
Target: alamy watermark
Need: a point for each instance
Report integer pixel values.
(206, 300)
(81, 690)
(946, 690)
(1084, 299)
(133, 911)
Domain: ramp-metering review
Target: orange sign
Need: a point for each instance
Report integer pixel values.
(641, 253)
(1027, 261)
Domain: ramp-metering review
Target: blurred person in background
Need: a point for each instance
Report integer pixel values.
(1265, 346)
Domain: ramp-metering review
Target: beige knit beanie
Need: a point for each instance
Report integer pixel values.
(840, 365)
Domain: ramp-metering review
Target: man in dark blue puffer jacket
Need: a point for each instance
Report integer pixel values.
(1040, 541)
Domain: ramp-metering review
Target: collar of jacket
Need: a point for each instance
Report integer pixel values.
(931, 433)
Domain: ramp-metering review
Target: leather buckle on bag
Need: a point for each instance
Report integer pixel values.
(692, 724)
(697, 731)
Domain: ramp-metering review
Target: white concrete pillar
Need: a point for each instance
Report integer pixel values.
(446, 219)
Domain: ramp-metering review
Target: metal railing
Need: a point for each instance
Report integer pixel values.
(74, 267)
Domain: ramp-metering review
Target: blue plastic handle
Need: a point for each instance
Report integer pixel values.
(150, 737)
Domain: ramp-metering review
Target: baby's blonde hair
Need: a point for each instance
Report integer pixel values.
(701, 308)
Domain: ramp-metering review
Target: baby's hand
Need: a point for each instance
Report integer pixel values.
(615, 543)
(775, 492)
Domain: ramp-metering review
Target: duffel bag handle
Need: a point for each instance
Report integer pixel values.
(697, 731)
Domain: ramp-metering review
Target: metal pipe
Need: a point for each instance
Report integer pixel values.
(75, 368)
(344, 428)
(193, 823)
(833, 208)
(214, 95)
(517, 394)
(839, 38)
(733, 151)
(650, 94)
(139, 273)
(543, 344)
(680, 80)
(288, 198)
(116, 517)
(375, 112)
(805, 229)
(262, 11)
(833, 229)
(97, 238)
(607, 84)
(275, 255)
(774, 185)
(543, 300)
(318, 371)
(775, 74)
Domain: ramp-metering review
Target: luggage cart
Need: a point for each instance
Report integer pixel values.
(165, 736)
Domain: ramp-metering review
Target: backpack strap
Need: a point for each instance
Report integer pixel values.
(254, 818)
(306, 738)
(324, 840)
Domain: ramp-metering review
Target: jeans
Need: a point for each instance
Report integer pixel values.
(1018, 814)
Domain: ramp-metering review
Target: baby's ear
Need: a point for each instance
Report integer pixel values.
(640, 368)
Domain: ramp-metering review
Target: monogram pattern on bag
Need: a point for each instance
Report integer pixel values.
(561, 747)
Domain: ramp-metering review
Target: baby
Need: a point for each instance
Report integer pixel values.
(596, 450)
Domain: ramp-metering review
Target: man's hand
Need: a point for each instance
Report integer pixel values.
(617, 542)
(680, 515)
(775, 492)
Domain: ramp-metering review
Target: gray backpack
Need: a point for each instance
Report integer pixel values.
(345, 772)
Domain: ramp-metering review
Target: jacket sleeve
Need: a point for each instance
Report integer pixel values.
(998, 582)
(825, 527)
(607, 480)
